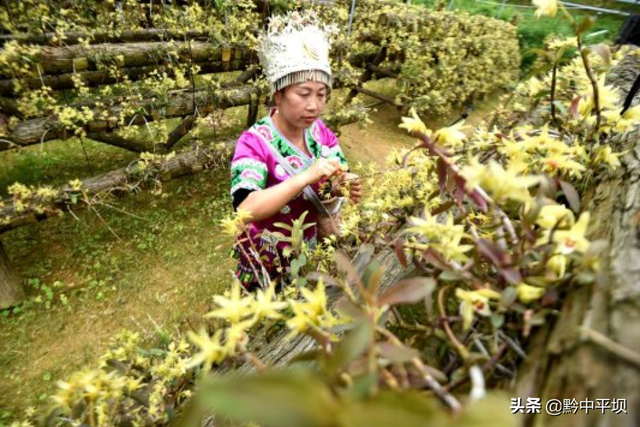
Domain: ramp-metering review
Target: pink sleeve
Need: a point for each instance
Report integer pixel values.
(249, 168)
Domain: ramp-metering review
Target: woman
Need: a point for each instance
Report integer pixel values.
(289, 150)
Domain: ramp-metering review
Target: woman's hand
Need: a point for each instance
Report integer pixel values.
(321, 169)
(348, 182)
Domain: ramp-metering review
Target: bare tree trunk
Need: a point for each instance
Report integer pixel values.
(73, 37)
(76, 58)
(102, 77)
(11, 291)
(34, 131)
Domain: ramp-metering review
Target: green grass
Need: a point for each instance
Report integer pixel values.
(151, 264)
(532, 31)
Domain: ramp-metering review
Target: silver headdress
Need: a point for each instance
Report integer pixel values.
(295, 49)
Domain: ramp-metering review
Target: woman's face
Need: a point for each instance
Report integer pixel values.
(301, 104)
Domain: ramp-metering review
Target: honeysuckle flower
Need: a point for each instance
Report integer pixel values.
(234, 308)
(211, 349)
(266, 306)
(235, 225)
(632, 113)
(604, 154)
(450, 137)
(573, 240)
(508, 184)
(557, 43)
(551, 216)
(236, 337)
(534, 86)
(545, 8)
(414, 124)
(559, 162)
(475, 302)
(528, 293)
(309, 313)
(426, 227)
(558, 265)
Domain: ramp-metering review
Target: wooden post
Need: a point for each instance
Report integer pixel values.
(11, 291)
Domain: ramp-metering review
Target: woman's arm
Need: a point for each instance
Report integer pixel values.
(263, 204)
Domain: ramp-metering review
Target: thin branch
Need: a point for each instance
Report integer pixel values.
(462, 350)
(611, 346)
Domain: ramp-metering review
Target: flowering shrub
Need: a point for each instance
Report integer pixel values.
(493, 229)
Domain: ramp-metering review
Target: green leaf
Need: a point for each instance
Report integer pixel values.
(508, 296)
(560, 106)
(586, 24)
(284, 399)
(489, 411)
(283, 225)
(355, 342)
(604, 51)
(295, 267)
(302, 260)
(286, 252)
(408, 409)
(372, 276)
(362, 386)
(395, 353)
(572, 195)
(449, 276)
(497, 320)
(408, 291)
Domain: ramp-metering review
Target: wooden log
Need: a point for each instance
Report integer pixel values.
(11, 292)
(132, 144)
(102, 77)
(10, 107)
(128, 36)
(33, 131)
(69, 59)
(118, 181)
(14, 215)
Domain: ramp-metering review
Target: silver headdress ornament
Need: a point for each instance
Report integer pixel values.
(295, 49)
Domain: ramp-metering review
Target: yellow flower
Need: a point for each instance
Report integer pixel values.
(233, 308)
(632, 113)
(551, 216)
(508, 183)
(475, 302)
(236, 338)
(451, 136)
(573, 239)
(534, 86)
(310, 313)
(528, 293)
(264, 305)
(236, 225)
(545, 8)
(604, 154)
(414, 124)
(558, 265)
(211, 350)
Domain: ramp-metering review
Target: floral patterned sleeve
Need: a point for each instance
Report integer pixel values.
(248, 167)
